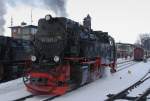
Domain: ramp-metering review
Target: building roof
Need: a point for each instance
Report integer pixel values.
(26, 26)
(119, 43)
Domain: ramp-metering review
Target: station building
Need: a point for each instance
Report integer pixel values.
(23, 31)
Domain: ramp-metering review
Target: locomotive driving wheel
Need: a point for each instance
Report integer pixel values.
(1, 72)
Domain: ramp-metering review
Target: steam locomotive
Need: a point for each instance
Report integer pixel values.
(67, 55)
(13, 55)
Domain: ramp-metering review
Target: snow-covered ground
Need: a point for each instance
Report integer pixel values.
(110, 83)
(119, 60)
(141, 89)
(95, 91)
(12, 90)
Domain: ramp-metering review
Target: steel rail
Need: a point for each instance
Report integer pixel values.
(143, 96)
(24, 98)
(123, 94)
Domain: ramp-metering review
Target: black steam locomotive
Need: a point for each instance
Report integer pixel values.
(13, 55)
(67, 55)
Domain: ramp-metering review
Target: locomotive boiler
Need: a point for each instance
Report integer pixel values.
(67, 55)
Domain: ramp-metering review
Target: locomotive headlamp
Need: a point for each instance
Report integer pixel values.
(56, 58)
(33, 58)
(48, 17)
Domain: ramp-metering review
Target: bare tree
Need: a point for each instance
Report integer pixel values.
(144, 40)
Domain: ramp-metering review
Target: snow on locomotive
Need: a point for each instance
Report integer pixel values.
(68, 55)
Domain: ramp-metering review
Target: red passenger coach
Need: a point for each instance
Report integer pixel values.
(138, 54)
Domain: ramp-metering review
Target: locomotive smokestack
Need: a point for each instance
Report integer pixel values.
(2, 13)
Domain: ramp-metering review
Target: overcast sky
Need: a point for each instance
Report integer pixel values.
(123, 19)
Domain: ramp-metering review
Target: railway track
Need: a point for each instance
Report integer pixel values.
(51, 98)
(24, 98)
(122, 65)
(46, 98)
(125, 61)
(125, 65)
(123, 94)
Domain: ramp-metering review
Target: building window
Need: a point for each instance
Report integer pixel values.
(25, 31)
(19, 30)
(14, 30)
(33, 31)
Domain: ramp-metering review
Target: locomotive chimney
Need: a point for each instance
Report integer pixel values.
(87, 22)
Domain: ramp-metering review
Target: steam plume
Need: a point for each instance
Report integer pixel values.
(2, 13)
(57, 6)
